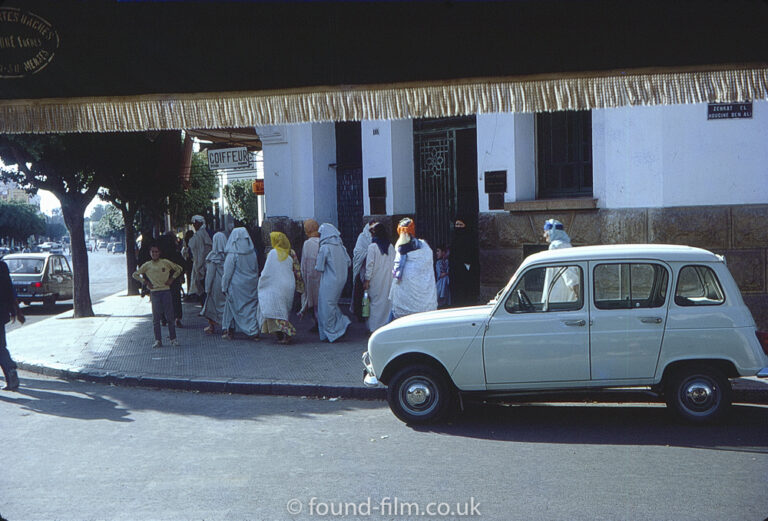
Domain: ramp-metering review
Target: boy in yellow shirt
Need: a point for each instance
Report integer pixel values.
(158, 274)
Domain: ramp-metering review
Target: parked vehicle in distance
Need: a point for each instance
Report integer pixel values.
(4, 251)
(53, 247)
(100, 245)
(40, 277)
(118, 247)
(110, 246)
(667, 318)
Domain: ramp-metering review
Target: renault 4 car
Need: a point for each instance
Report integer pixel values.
(40, 277)
(668, 319)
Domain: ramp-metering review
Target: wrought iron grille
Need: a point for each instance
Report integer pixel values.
(436, 197)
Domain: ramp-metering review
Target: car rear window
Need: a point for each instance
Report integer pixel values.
(25, 266)
(698, 286)
(630, 285)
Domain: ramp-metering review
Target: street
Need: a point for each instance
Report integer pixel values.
(77, 450)
(107, 276)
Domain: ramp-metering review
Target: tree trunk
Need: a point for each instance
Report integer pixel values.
(75, 221)
(130, 250)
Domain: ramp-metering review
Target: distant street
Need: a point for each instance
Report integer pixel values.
(75, 450)
(107, 277)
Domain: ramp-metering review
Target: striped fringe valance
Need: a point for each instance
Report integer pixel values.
(455, 98)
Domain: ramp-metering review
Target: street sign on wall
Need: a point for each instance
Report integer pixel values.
(228, 158)
(729, 110)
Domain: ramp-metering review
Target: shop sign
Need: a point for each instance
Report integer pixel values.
(27, 43)
(258, 186)
(729, 110)
(228, 158)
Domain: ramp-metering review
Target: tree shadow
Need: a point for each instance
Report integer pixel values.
(743, 430)
(91, 401)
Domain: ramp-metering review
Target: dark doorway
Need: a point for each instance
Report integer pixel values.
(446, 179)
(349, 181)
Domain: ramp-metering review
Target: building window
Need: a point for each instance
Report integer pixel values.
(564, 153)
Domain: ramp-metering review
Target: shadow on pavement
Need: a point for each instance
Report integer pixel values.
(608, 424)
(90, 401)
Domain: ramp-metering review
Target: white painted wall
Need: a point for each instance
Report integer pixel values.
(673, 156)
(298, 181)
(388, 152)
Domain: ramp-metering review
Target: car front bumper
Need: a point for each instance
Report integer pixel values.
(369, 377)
(763, 373)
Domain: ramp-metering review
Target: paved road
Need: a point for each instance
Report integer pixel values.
(107, 276)
(75, 450)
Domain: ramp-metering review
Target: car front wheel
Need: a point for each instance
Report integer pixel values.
(699, 394)
(419, 394)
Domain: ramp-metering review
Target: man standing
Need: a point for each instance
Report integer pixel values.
(9, 310)
(199, 246)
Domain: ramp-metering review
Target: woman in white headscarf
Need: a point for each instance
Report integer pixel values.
(213, 309)
(333, 262)
(560, 284)
(280, 278)
(413, 283)
(358, 270)
(309, 274)
(239, 283)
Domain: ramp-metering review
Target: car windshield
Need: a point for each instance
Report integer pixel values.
(25, 266)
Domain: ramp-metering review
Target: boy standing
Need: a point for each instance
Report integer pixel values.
(158, 274)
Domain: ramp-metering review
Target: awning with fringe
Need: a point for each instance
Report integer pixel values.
(425, 100)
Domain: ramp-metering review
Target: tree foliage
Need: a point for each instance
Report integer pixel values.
(196, 200)
(110, 225)
(242, 202)
(20, 220)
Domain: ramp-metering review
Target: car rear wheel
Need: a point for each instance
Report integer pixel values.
(699, 394)
(420, 394)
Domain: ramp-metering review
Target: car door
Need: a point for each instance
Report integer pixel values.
(540, 332)
(66, 290)
(629, 313)
(52, 280)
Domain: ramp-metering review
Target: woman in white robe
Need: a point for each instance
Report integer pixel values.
(378, 276)
(280, 278)
(413, 285)
(333, 262)
(309, 274)
(239, 283)
(213, 309)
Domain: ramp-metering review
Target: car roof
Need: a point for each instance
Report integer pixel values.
(40, 255)
(662, 252)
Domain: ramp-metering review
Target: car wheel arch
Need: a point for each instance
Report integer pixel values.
(412, 358)
(726, 367)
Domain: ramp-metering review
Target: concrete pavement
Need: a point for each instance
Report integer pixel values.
(115, 347)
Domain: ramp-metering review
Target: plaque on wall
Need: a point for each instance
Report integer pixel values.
(729, 110)
(496, 182)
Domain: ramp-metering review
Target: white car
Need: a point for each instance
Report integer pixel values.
(667, 318)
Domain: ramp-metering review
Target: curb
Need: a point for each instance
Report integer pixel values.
(276, 388)
(229, 386)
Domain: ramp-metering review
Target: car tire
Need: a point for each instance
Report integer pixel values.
(699, 394)
(420, 394)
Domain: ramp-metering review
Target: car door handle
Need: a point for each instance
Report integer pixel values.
(650, 320)
(575, 322)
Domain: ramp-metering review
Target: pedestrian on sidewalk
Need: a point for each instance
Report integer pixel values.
(199, 246)
(213, 309)
(443, 284)
(169, 250)
(413, 284)
(186, 254)
(9, 311)
(158, 275)
(239, 283)
(279, 280)
(358, 270)
(333, 262)
(378, 276)
(309, 274)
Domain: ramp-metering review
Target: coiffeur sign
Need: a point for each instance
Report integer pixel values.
(27, 43)
(225, 158)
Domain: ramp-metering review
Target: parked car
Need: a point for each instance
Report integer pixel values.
(667, 318)
(4, 251)
(53, 247)
(100, 245)
(118, 247)
(40, 277)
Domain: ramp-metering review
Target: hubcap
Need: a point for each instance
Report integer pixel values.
(700, 394)
(417, 394)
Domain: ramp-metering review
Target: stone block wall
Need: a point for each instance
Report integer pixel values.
(738, 232)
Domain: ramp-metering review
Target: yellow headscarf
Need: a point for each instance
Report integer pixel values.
(280, 243)
(310, 228)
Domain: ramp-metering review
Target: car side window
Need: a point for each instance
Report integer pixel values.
(55, 266)
(65, 267)
(698, 286)
(630, 285)
(539, 290)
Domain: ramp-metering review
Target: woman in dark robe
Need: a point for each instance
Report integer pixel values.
(463, 265)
